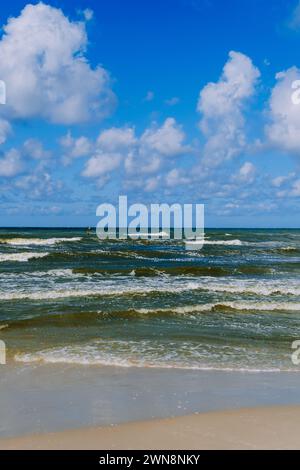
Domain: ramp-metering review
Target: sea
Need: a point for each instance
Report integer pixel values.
(67, 297)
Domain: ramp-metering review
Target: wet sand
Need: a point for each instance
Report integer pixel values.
(257, 428)
(109, 407)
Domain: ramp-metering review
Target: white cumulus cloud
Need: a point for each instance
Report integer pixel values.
(116, 138)
(221, 105)
(11, 164)
(145, 154)
(33, 148)
(102, 164)
(283, 130)
(166, 140)
(246, 173)
(43, 63)
(75, 147)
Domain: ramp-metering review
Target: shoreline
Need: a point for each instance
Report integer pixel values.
(246, 428)
(39, 399)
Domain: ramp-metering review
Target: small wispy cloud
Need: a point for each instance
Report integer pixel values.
(294, 22)
(149, 96)
(172, 101)
(88, 14)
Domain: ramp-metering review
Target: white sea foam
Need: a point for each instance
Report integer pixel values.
(225, 242)
(145, 354)
(255, 288)
(90, 292)
(36, 276)
(247, 306)
(58, 358)
(59, 273)
(237, 242)
(216, 242)
(289, 248)
(21, 257)
(146, 234)
(37, 241)
(56, 273)
(125, 286)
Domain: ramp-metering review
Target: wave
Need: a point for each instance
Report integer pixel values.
(75, 292)
(224, 242)
(149, 271)
(146, 234)
(213, 271)
(225, 306)
(78, 319)
(215, 242)
(63, 319)
(139, 272)
(276, 246)
(156, 286)
(37, 241)
(256, 289)
(122, 362)
(57, 273)
(20, 257)
(142, 354)
(53, 273)
(289, 249)
(105, 253)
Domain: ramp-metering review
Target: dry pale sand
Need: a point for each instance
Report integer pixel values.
(257, 428)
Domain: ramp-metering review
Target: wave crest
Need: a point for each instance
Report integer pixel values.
(37, 241)
(20, 257)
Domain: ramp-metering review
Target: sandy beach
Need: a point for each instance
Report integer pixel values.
(257, 428)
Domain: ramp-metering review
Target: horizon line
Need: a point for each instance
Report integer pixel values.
(36, 227)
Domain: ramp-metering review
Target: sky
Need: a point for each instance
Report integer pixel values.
(189, 101)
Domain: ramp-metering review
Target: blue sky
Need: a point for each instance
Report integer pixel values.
(165, 101)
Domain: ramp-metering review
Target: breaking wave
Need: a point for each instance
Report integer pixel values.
(21, 257)
(146, 354)
(37, 241)
(158, 286)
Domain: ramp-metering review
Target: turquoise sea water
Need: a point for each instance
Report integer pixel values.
(67, 297)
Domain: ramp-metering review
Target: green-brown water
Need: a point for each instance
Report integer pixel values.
(66, 297)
